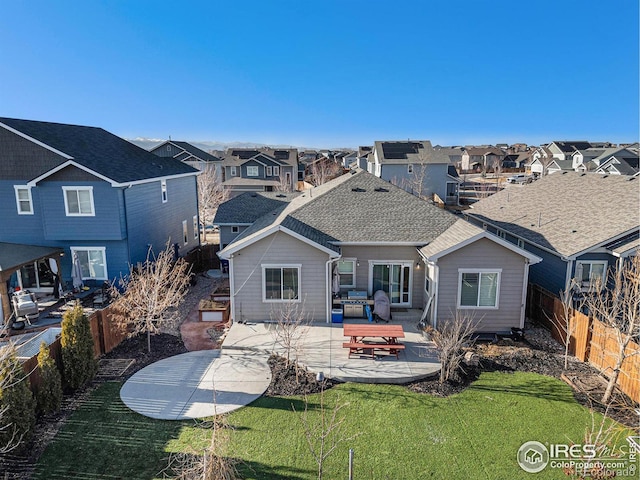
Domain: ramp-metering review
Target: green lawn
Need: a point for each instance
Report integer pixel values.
(403, 435)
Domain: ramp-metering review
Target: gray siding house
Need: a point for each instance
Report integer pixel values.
(418, 168)
(90, 194)
(265, 170)
(187, 153)
(580, 224)
(293, 252)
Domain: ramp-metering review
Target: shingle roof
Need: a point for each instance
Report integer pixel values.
(457, 233)
(196, 152)
(358, 208)
(14, 255)
(409, 151)
(100, 151)
(248, 207)
(566, 212)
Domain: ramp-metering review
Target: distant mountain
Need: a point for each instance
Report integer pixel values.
(149, 143)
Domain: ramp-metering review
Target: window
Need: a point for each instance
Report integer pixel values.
(235, 229)
(276, 171)
(478, 288)
(502, 234)
(520, 243)
(92, 261)
(394, 278)
(280, 283)
(410, 169)
(163, 187)
(23, 200)
(195, 227)
(168, 148)
(591, 273)
(233, 171)
(185, 232)
(452, 189)
(252, 171)
(269, 171)
(347, 271)
(78, 201)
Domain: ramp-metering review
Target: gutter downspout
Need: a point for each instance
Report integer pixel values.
(436, 271)
(232, 291)
(567, 279)
(328, 269)
(524, 292)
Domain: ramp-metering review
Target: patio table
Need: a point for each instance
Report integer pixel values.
(388, 334)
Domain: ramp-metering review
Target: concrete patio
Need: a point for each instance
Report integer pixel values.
(322, 351)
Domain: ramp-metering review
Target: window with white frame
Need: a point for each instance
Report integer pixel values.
(591, 273)
(520, 243)
(235, 229)
(276, 171)
(195, 227)
(92, 262)
(478, 288)
(410, 168)
(163, 188)
(78, 201)
(347, 271)
(185, 232)
(280, 283)
(502, 234)
(269, 171)
(233, 171)
(252, 171)
(24, 202)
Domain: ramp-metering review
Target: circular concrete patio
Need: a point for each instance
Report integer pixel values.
(197, 384)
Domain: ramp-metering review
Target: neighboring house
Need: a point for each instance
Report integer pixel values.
(247, 169)
(482, 158)
(580, 224)
(563, 149)
(235, 215)
(187, 153)
(90, 194)
(378, 237)
(454, 154)
(620, 164)
(418, 168)
(516, 160)
(540, 159)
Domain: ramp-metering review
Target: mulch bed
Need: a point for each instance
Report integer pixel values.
(287, 380)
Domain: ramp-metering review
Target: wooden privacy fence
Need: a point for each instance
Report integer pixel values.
(591, 340)
(106, 336)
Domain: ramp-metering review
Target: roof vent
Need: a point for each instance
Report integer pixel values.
(632, 178)
(605, 176)
(280, 195)
(565, 172)
(254, 194)
(381, 189)
(583, 174)
(353, 172)
(358, 189)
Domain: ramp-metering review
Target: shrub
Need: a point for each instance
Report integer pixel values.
(79, 365)
(49, 392)
(17, 407)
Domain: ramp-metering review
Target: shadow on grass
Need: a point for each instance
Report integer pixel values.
(269, 472)
(542, 387)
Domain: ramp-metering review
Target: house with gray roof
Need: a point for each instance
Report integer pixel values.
(580, 224)
(91, 195)
(361, 233)
(417, 167)
(255, 170)
(187, 153)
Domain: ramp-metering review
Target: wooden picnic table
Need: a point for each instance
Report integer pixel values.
(383, 337)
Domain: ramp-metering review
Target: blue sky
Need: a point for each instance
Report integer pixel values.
(326, 73)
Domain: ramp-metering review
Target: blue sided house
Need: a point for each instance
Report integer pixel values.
(70, 191)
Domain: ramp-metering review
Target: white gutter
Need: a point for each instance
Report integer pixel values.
(328, 270)
(232, 291)
(436, 269)
(525, 281)
(567, 278)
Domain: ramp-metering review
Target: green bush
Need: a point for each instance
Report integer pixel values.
(79, 365)
(17, 406)
(49, 392)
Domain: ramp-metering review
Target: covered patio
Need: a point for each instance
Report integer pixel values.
(14, 256)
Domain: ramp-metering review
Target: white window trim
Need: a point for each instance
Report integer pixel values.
(478, 271)
(235, 229)
(404, 263)
(195, 227)
(28, 189)
(585, 286)
(521, 243)
(163, 189)
(66, 203)
(185, 232)
(269, 171)
(252, 167)
(281, 266)
(276, 171)
(410, 168)
(104, 258)
(233, 171)
(502, 234)
(355, 265)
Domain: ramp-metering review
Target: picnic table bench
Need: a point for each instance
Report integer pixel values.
(384, 338)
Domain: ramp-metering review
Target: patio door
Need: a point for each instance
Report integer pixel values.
(393, 278)
(36, 276)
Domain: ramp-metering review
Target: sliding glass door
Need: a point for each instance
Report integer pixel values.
(393, 278)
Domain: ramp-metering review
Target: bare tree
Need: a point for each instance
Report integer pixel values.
(284, 185)
(415, 183)
(326, 433)
(291, 324)
(617, 305)
(323, 170)
(211, 193)
(450, 338)
(149, 296)
(563, 322)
